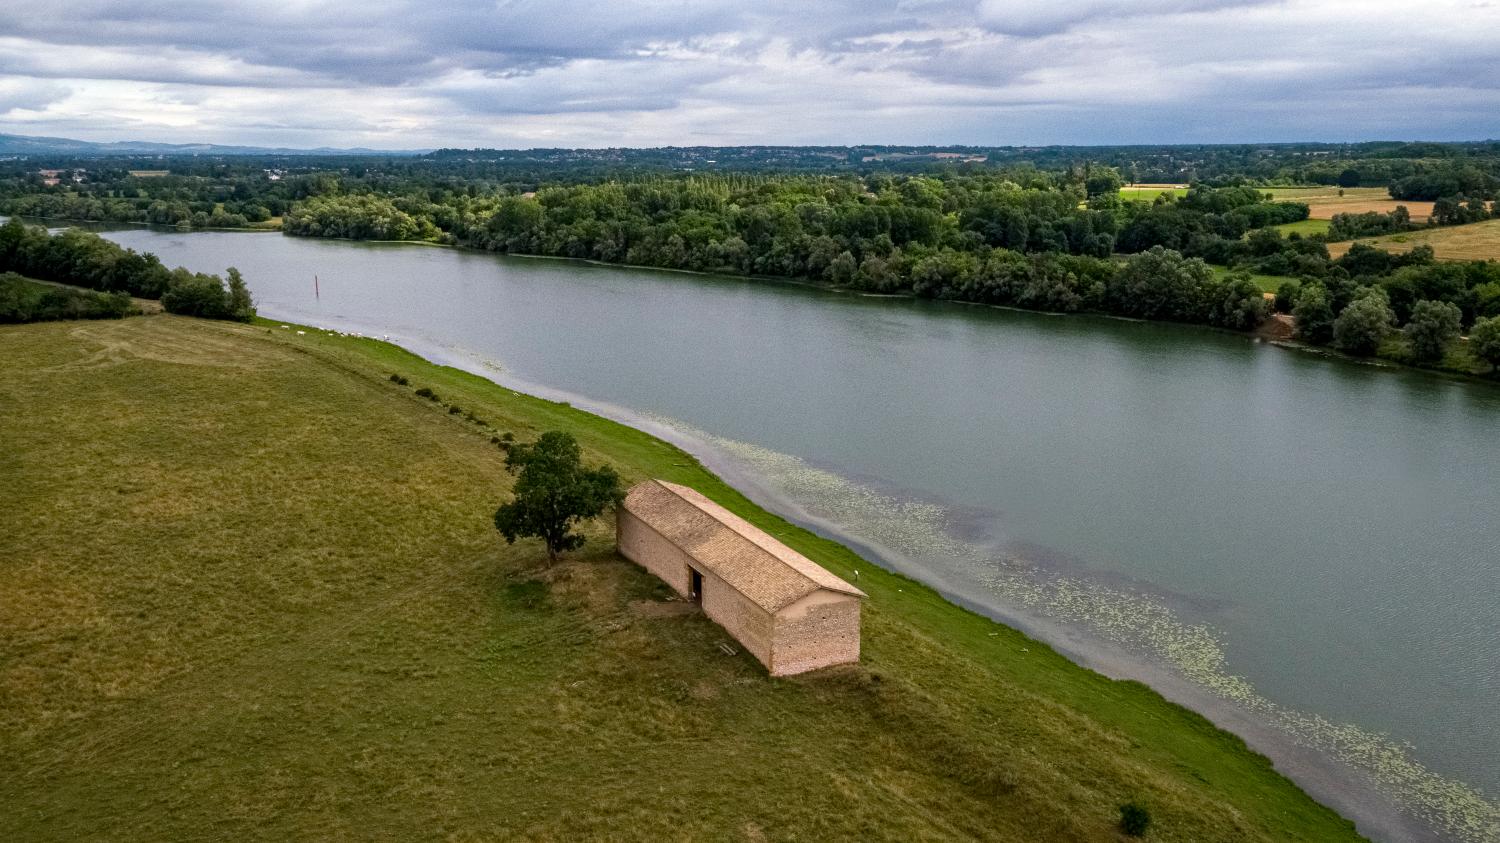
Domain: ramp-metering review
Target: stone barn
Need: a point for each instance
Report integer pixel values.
(786, 610)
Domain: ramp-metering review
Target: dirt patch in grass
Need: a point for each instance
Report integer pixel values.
(662, 608)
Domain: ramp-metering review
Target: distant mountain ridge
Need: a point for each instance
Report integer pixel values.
(32, 145)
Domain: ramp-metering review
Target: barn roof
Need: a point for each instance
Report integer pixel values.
(750, 560)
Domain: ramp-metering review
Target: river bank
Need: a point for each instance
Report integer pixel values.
(320, 627)
(1324, 771)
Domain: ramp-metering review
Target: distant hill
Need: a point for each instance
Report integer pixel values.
(31, 145)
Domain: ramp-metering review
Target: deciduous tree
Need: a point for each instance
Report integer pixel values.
(554, 491)
(1363, 325)
(1433, 325)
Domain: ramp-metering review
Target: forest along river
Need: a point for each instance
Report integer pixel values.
(1305, 549)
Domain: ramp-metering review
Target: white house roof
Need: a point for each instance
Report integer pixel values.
(750, 560)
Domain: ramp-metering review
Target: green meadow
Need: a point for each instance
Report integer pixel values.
(254, 593)
(1149, 194)
(1306, 228)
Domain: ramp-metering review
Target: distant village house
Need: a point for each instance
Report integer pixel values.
(790, 613)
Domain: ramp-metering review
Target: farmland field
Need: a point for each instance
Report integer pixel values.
(1475, 241)
(1324, 202)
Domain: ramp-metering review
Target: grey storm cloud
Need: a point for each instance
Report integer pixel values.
(410, 73)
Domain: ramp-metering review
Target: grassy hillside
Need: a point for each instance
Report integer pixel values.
(253, 592)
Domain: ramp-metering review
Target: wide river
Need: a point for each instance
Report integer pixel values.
(1303, 548)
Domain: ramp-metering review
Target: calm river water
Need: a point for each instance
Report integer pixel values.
(1306, 548)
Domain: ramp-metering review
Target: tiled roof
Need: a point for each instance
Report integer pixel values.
(753, 563)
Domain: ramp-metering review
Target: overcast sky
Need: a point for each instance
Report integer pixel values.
(426, 73)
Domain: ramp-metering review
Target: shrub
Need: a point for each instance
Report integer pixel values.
(400, 379)
(22, 300)
(1134, 819)
(424, 392)
(455, 410)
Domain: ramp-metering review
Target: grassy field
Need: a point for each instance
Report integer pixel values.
(1267, 283)
(1326, 192)
(1473, 242)
(1306, 228)
(1149, 192)
(253, 592)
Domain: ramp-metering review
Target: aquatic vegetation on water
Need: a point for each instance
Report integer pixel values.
(1139, 622)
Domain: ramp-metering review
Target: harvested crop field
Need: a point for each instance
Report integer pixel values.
(1324, 210)
(1324, 202)
(1474, 242)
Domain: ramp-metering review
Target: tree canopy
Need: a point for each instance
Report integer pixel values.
(554, 492)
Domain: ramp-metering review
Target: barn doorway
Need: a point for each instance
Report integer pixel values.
(695, 586)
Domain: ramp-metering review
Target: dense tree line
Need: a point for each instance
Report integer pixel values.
(1204, 215)
(1349, 226)
(1453, 211)
(183, 214)
(978, 238)
(24, 300)
(1370, 297)
(1429, 185)
(357, 218)
(85, 259)
(1038, 230)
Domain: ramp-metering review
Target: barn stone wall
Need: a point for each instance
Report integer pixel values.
(644, 546)
(747, 622)
(819, 630)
